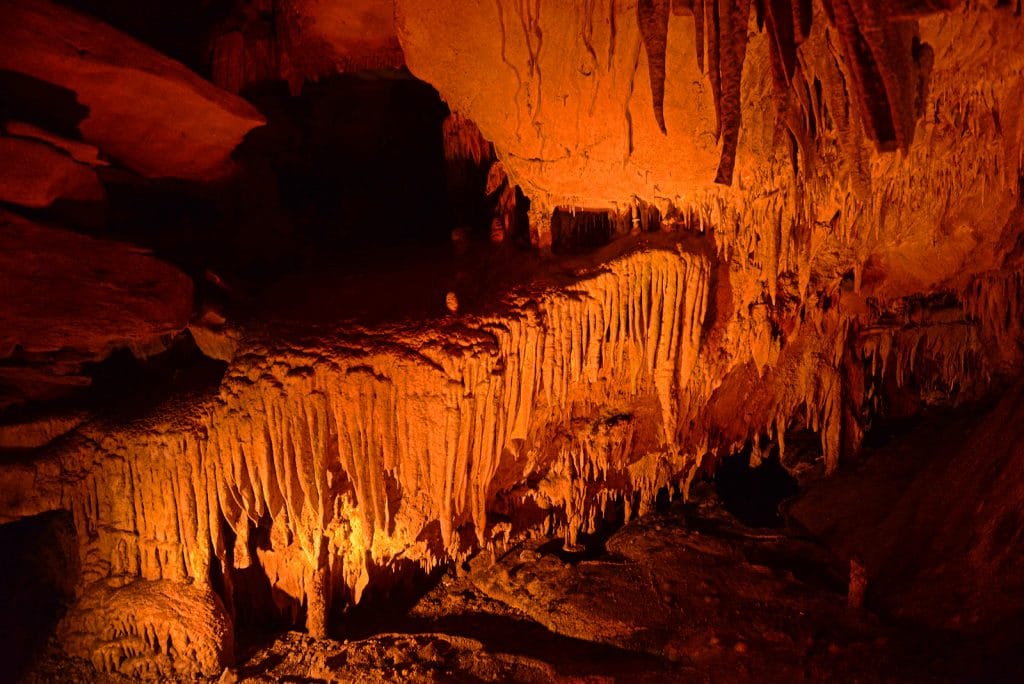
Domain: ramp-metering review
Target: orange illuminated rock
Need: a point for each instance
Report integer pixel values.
(38, 431)
(360, 450)
(565, 96)
(150, 630)
(324, 460)
(145, 110)
(828, 283)
(35, 174)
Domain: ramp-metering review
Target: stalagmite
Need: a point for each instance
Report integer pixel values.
(315, 439)
(150, 630)
(752, 270)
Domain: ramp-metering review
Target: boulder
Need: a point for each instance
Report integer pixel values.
(66, 291)
(144, 109)
(35, 174)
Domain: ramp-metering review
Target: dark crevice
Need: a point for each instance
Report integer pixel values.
(754, 495)
(40, 103)
(38, 573)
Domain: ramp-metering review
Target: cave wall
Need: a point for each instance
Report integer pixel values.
(837, 274)
(562, 90)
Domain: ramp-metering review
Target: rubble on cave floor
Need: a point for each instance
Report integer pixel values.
(687, 593)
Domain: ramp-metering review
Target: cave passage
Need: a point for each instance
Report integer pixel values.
(754, 494)
(439, 340)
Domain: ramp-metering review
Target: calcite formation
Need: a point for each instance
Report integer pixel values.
(571, 120)
(146, 629)
(824, 202)
(322, 463)
(382, 447)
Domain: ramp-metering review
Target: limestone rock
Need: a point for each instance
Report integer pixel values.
(69, 299)
(967, 566)
(564, 94)
(34, 174)
(150, 630)
(395, 658)
(304, 40)
(414, 435)
(80, 151)
(63, 290)
(144, 109)
(697, 589)
(38, 431)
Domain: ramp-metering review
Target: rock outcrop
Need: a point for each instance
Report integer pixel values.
(562, 90)
(145, 110)
(70, 299)
(327, 460)
(303, 40)
(36, 174)
(147, 630)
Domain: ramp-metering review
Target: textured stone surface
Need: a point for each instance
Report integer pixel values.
(35, 174)
(149, 630)
(328, 460)
(144, 109)
(936, 518)
(821, 286)
(63, 290)
(69, 299)
(562, 90)
(304, 40)
(717, 600)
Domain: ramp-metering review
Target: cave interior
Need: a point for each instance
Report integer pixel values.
(534, 341)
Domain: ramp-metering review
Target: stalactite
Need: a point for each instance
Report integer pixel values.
(876, 43)
(321, 442)
(652, 17)
(713, 32)
(463, 141)
(734, 16)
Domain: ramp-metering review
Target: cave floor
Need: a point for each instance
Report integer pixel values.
(686, 593)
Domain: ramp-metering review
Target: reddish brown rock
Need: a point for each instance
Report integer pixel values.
(145, 110)
(79, 151)
(37, 431)
(300, 40)
(63, 290)
(35, 174)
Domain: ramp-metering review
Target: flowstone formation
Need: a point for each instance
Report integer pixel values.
(322, 463)
(807, 219)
